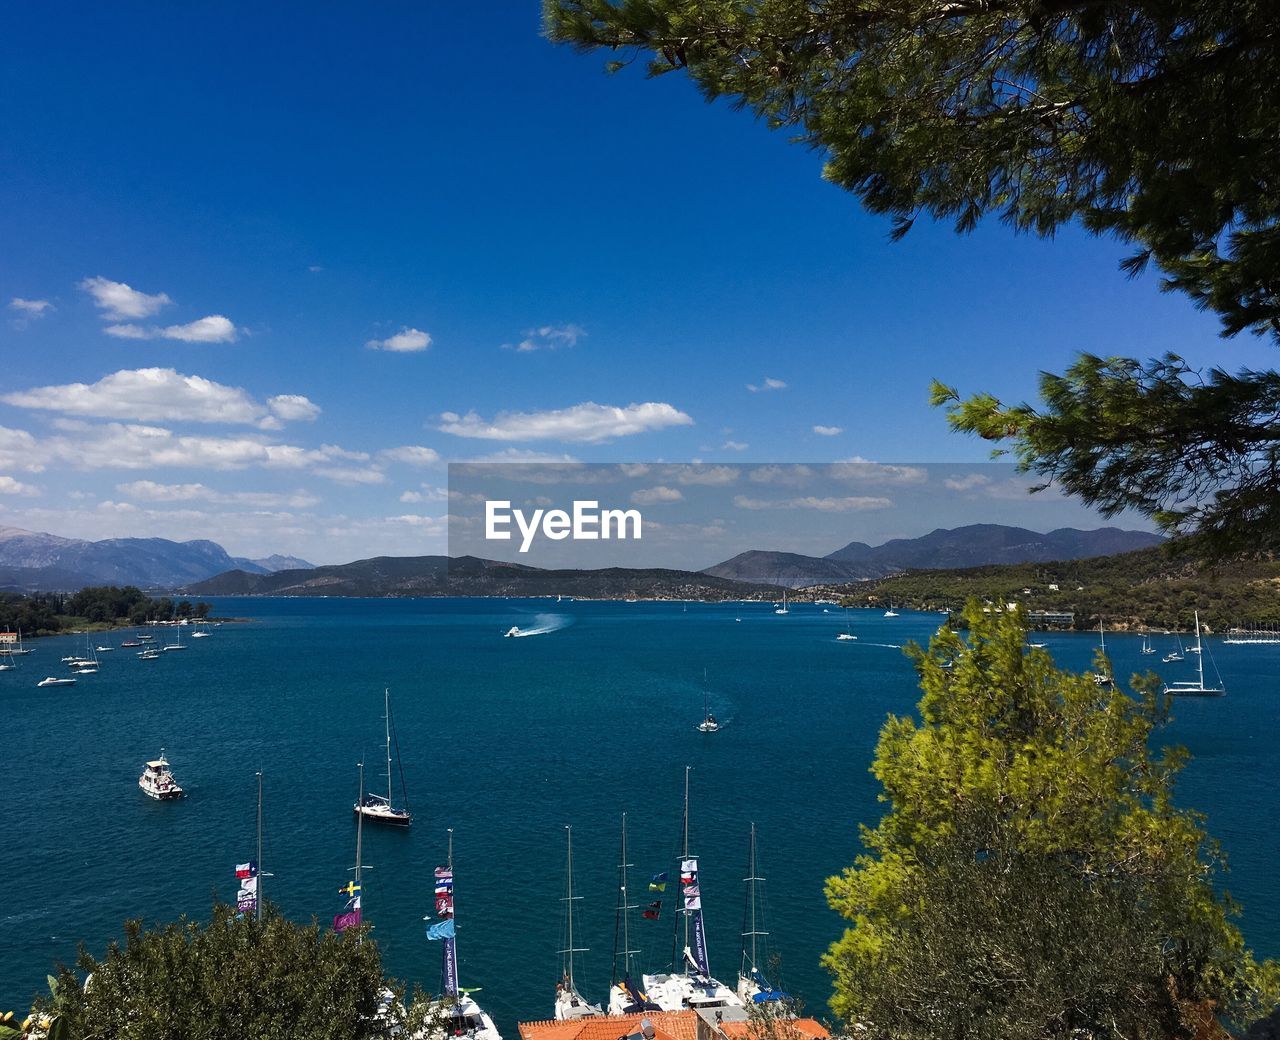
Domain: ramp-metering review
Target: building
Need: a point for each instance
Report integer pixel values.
(729, 1023)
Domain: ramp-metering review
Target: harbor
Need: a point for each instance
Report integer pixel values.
(507, 741)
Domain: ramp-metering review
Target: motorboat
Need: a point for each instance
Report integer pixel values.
(157, 781)
(54, 680)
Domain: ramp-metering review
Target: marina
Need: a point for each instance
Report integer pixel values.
(497, 743)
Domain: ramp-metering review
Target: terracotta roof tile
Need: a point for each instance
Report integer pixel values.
(668, 1025)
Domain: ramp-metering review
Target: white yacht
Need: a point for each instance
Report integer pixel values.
(175, 646)
(157, 781)
(514, 630)
(783, 609)
(570, 1004)
(847, 635)
(1196, 688)
(891, 612)
(53, 680)
(199, 635)
(708, 723)
(376, 807)
(694, 987)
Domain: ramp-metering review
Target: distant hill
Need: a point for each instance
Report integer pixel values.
(472, 576)
(33, 560)
(971, 546)
(273, 563)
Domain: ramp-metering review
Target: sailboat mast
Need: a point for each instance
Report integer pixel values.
(1199, 651)
(260, 871)
(360, 829)
(684, 854)
(626, 905)
(752, 883)
(386, 714)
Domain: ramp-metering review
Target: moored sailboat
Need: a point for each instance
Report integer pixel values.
(570, 1004)
(694, 987)
(376, 807)
(753, 986)
(624, 997)
(708, 723)
(462, 1016)
(1196, 688)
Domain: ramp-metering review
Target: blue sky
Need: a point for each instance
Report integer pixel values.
(280, 186)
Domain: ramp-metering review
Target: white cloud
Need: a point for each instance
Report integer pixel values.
(429, 493)
(859, 470)
(788, 476)
(586, 423)
(30, 308)
(520, 456)
(548, 337)
(293, 407)
(352, 475)
(151, 491)
(9, 486)
(160, 394)
(828, 431)
(411, 455)
(768, 384)
(119, 302)
(734, 446)
(406, 341)
(212, 329)
(851, 504)
(659, 495)
(968, 482)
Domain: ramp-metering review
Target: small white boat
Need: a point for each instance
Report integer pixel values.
(103, 649)
(149, 655)
(199, 635)
(157, 781)
(783, 609)
(847, 635)
(53, 680)
(1037, 646)
(891, 612)
(1147, 648)
(175, 646)
(514, 630)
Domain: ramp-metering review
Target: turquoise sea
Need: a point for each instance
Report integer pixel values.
(507, 741)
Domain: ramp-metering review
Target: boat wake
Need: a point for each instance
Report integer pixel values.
(543, 625)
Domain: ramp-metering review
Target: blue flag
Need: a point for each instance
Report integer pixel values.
(440, 930)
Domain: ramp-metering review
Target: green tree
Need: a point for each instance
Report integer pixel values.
(232, 977)
(1032, 877)
(1150, 121)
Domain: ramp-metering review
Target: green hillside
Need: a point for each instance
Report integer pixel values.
(1149, 588)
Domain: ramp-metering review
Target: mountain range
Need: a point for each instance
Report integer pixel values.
(472, 576)
(34, 560)
(975, 545)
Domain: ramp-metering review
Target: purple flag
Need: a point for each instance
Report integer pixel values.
(342, 922)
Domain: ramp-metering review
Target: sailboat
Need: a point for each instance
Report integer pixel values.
(890, 612)
(352, 915)
(783, 609)
(570, 1004)
(462, 1015)
(847, 635)
(694, 988)
(1147, 648)
(624, 998)
(753, 987)
(375, 807)
(1103, 678)
(1174, 655)
(708, 723)
(1197, 688)
(175, 646)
